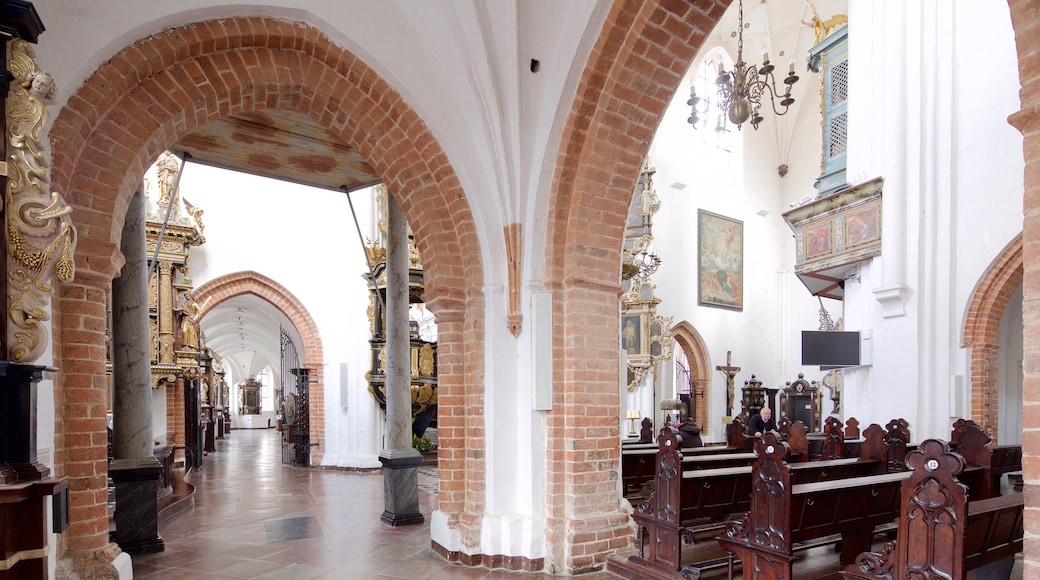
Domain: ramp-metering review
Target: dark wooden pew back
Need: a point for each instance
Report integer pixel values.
(782, 514)
(941, 535)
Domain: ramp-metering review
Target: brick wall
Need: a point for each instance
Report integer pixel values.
(635, 67)
(1027, 38)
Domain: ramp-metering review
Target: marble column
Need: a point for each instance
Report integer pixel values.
(400, 460)
(134, 469)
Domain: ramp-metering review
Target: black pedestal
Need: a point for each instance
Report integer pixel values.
(137, 518)
(18, 459)
(401, 487)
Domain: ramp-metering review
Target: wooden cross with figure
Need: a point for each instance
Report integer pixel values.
(731, 373)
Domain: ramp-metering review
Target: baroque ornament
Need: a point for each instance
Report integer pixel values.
(41, 236)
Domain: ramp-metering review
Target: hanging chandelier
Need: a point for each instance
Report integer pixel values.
(741, 90)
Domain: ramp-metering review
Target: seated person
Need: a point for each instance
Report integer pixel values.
(690, 434)
(762, 422)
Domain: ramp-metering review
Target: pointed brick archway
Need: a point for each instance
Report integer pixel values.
(636, 65)
(700, 369)
(981, 326)
(209, 295)
(162, 87)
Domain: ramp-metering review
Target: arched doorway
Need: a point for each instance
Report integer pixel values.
(692, 345)
(986, 321)
(162, 87)
(215, 292)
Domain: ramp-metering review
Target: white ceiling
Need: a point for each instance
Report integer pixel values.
(244, 332)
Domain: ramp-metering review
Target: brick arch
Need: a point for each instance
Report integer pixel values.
(700, 369)
(981, 326)
(218, 290)
(157, 90)
(635, 67)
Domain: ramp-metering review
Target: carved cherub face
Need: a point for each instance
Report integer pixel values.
(42, 86)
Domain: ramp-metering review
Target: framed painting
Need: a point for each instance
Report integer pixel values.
(720, 253)
(632, 335)
(819, 240)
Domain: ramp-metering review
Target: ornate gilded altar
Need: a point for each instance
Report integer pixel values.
(423, 352)
(249, 397)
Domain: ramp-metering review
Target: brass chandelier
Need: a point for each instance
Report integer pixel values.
(741, 90)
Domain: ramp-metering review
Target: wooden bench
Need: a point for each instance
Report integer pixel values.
(940, 534)
(684, 502)
(783, 514)
(972, 443)
(638, 463)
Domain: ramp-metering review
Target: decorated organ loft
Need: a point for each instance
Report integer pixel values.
(421, 325)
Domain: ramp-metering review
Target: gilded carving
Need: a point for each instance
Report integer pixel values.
(381, 369)
(514, 250)
(166, 348)
(371, 312)
(41, 236)
(426, 360)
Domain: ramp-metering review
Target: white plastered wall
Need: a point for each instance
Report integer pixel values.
(920, 118)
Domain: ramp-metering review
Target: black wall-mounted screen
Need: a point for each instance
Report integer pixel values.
(830, 348)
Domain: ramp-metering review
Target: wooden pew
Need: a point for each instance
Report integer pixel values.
(638, 464)
(835, 442)
(997, 459)
(683, 500)
(784, 514)
(940, 534)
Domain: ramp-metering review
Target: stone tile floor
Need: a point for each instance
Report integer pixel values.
(257, 518)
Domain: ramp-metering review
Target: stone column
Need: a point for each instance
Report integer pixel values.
(165, 307)
(400, 460)
(134, 469)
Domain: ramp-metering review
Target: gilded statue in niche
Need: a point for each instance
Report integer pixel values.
(41, 236)
(189, 311)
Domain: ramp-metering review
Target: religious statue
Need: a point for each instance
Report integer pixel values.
(196, 217)
(41, 236)
(189, 323)
(168, 168)
(730, 372)
(820, 27)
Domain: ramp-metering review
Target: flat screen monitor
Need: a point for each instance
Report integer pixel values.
(830, 348)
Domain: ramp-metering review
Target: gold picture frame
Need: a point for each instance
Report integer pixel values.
(720, 257)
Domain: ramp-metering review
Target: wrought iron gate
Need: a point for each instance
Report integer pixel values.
(294, 406)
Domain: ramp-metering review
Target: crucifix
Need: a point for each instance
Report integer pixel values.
(730, 372)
